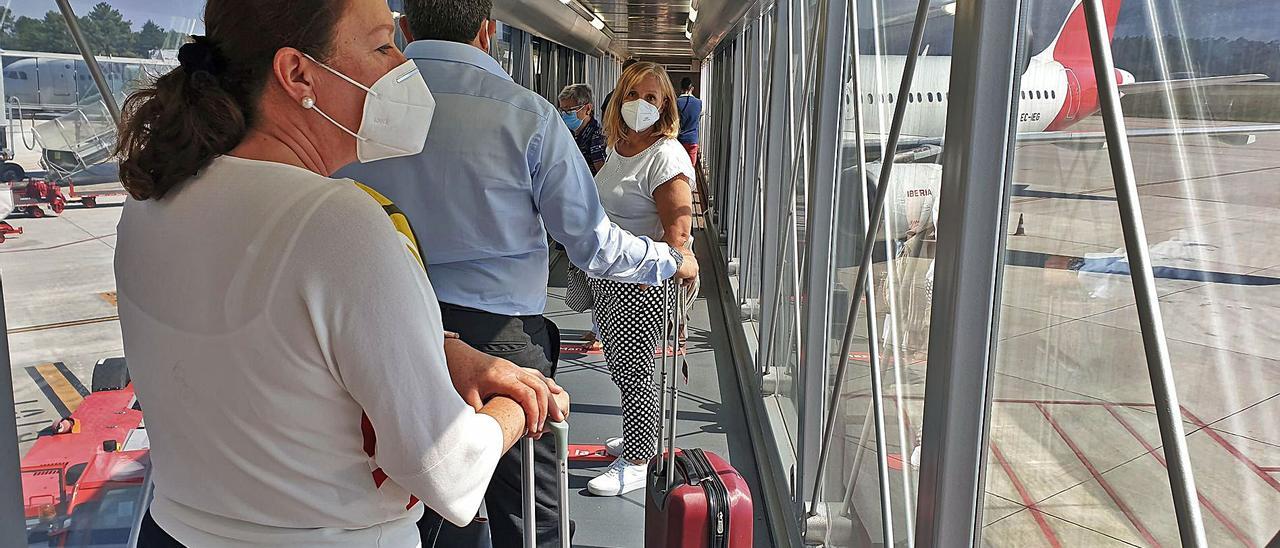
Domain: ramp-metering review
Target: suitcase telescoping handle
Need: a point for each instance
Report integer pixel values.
(561, 432)
(673, 294)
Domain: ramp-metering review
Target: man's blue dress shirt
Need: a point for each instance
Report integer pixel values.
(500, 170)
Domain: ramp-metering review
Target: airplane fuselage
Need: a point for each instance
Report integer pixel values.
(1053, 96)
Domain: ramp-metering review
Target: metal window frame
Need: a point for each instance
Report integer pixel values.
(973, 207)
(751, 268)
(733, 173)
(12, 524)
(774, 175)
(817, 281)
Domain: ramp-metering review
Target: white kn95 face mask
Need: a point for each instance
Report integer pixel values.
(397, 113)
(639, 114)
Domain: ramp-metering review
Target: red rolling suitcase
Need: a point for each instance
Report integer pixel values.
(693, 498)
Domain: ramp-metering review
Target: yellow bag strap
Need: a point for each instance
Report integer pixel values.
(399, 221)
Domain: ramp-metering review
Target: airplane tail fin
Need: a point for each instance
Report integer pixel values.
(1071, 46)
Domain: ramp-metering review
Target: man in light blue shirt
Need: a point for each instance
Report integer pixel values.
(499, 171)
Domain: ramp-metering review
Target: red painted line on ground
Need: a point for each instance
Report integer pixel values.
(1031, 401)
(911, 430)
(579, 349)
(906, 421)
(1027, 501)
(1072, 402)
(1248, 462)
(1115, 497)
(1222, 517)
(895, 462)
(1270, 468)
(589, 452)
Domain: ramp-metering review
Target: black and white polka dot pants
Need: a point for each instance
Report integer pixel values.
(632, 318)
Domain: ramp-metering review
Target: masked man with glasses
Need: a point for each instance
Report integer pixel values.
(578, 111)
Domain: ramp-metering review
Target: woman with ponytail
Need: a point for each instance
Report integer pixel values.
(282, 335)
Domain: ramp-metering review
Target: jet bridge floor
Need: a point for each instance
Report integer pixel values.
(709, 415)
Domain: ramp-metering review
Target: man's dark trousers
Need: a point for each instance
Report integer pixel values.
(527, 341)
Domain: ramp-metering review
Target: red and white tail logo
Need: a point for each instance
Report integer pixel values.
(1071, 46)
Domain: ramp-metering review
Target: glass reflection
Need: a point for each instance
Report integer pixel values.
(61, 196)
(1075, 455)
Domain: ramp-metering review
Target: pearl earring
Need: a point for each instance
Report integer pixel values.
(308, 103)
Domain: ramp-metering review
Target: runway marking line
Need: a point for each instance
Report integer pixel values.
(59, 385)
(1222, 517)
(1235, 451)
(1264, 472)
(1027, 501)
(1097, 475)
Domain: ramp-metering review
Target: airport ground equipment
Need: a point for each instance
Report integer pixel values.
(693, 497)
(89, 194)
(36, 197)
(7, 230)
(561, 432)
(85, 470)
(78, 145)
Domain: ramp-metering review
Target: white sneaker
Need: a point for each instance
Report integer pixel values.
(621, 477)
(615, 447)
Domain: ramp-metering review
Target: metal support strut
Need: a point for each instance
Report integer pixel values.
(73, 26)
(1186, 504)
(876, 218)
(876, 407)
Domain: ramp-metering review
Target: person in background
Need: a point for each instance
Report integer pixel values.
(484, 195)
(625, 65)
(300, 389)
(647, 188)
(690, 108)
(578, 111)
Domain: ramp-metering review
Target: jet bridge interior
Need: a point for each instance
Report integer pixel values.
(974, 272)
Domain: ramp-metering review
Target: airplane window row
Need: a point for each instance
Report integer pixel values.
(917, 97)
(1037, 94)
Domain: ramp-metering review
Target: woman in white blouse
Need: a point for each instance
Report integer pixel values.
(282, 334)
(646, 187)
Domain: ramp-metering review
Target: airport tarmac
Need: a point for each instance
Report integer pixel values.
(1076, 457)
(1075, 449)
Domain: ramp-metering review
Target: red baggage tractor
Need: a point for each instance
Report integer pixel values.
(693, 498)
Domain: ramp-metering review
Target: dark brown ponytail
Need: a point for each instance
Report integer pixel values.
(203, 109)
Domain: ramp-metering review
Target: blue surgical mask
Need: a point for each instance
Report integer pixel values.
(571, 119)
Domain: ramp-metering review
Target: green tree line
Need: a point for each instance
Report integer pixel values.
(104, 27)
(1198, 57)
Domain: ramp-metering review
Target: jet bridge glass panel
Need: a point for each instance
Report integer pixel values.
(808, 200)
(84, 481)
(875, 458)
(1075, 454)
